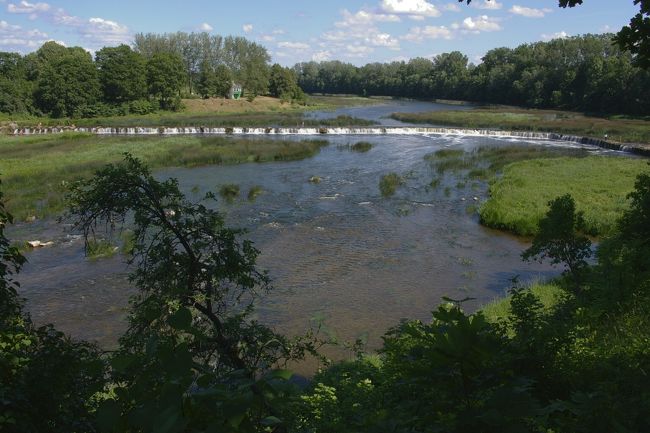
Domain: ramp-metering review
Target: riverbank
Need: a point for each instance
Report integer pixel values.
(37, 169)
(615, 130)
(212, 112)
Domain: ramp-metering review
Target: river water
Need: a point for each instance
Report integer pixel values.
(339, 253)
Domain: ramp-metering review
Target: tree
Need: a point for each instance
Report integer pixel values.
(67, 82)
(560, 240)
(635, 37)
(122, 74)
(192, 358)
(222, 81)
(48, 380)
(282, 82)
(165, 77)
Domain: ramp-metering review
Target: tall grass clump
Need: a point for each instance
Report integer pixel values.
(229, 191)
(389, 182)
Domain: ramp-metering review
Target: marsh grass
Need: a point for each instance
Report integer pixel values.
(599, 185)
(229, 192)
(36, 170)
(564, 122)
(389, 182)
(99, 248)
(361, 146)
(254, 192)
(548, 294)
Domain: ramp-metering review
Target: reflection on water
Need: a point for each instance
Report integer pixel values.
(337, 251)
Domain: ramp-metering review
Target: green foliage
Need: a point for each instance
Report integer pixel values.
(122, 74)
(361, 146)
(67, 83)
(254, 192)
(48, 380)
(578, 73)
(229, 191)
(560, 238)
(389, 182)
(164, 78)
(193, 358)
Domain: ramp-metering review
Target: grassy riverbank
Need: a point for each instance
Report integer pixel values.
(599, 185)
(219, 112)
(36, 170)
(614, 129)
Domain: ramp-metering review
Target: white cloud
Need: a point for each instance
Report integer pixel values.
(529, 12)
(99, 32)
(486, 4)
(15, 38)
(278, 32)
(247, 28)
(363, 18)
(205, 27)
(25, 7)
(321, 56)
(451, 7)
(415, 9)
(481, 23)
(418, 34)
(357, 30)
(558, 35)
(293, 45)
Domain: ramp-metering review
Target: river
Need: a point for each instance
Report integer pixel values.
(339, 253)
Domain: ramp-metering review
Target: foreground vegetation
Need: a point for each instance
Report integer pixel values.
(38, 169)
(518, 198)
(570, 357)
(616, 129)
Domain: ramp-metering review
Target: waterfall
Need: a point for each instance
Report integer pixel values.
(319, 131)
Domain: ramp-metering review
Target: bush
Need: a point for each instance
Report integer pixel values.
(142, 106)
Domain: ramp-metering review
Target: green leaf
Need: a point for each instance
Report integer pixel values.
(281, 374)
(181, 319)
(108, 415)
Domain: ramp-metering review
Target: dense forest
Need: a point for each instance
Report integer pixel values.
(154, 74)
(586, 73)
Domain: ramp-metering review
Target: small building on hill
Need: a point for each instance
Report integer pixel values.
(235, 91)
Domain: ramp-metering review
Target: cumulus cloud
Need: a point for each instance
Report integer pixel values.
(481, 23)
(247, 28)
(15, 38)
(487, 4)
(418, 34)
(205, 27)
(363, 18)
(558, 35)
(357, 34)
(293, 45)
(529, 12)
(321, 56)
(415, 9)
(25, 7)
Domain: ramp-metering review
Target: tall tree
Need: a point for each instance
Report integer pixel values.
(68, 82)
(165, 77)
(122, 73)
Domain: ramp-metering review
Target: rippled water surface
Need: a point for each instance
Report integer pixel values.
(338, 252)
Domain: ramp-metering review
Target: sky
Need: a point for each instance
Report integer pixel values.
(357, 32)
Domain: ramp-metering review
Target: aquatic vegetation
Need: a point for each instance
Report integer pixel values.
(100, 248)
(389, 182)
(229, 191)
(254, 191)
(361, 146)
(315, 179)
(37, 169)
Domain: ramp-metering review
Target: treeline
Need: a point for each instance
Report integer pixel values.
(154, 74)
(586, 73)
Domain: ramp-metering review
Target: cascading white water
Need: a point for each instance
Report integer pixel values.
(307, 131)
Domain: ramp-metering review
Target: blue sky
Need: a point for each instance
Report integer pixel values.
(353, 31)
